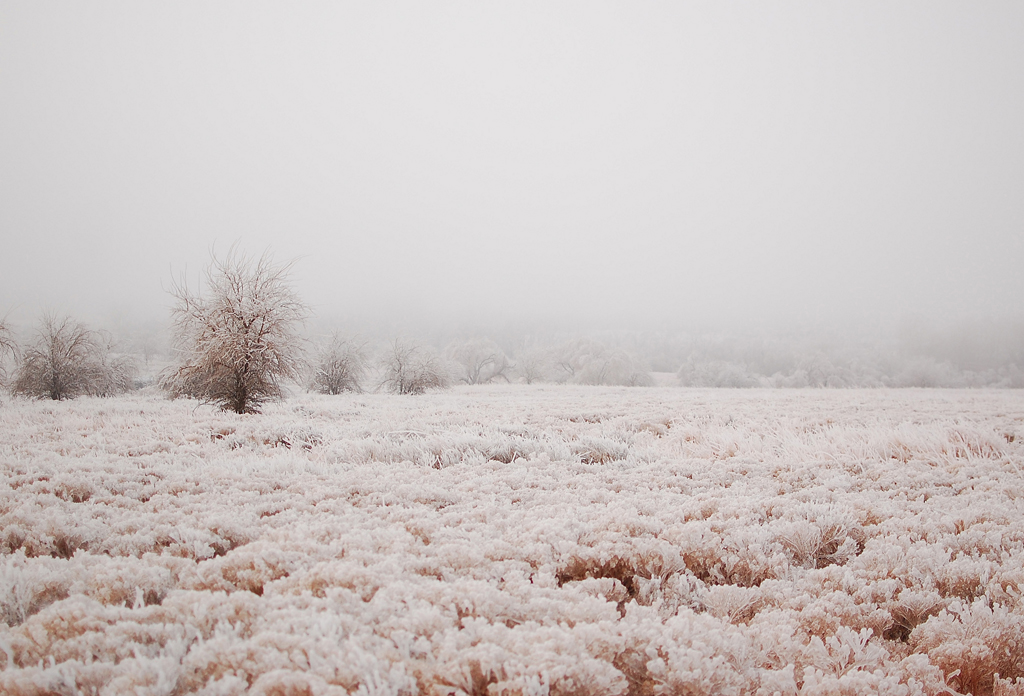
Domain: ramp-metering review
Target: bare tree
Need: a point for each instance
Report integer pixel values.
(235, 345)
(614, 367)
(340, 366)
(480, 360)
(570, 358)
(69, 360)
(8, 348)
(586, 361)
(532, 364)
(412, 369)
(114, 373)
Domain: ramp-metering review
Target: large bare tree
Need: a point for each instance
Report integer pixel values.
(68, 360)
(235, 344)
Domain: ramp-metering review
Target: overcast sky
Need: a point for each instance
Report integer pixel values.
(619, 162)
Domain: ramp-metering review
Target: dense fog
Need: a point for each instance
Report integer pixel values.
(747, 190)
(573, 348)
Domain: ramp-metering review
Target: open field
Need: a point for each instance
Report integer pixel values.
(516, 540)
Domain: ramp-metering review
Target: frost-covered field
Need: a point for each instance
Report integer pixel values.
(507, 540)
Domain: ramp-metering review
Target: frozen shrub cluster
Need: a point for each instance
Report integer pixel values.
(586, 361)
(412, 369)
(507, 539)
(339, 366)
(66, 360)
(479, 361)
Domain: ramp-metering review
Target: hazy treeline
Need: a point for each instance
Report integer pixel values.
(340, 360)
(910, 356)
(914, 360)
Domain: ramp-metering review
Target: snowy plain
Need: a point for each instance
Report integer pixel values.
(516, 540)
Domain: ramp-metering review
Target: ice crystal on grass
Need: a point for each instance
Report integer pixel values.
(501, 539)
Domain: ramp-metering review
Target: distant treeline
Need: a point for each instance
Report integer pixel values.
(344, 361)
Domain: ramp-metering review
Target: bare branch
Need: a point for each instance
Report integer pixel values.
(8, 348)
(69, 360)
(411, 369)
(480, 361)
(340, 366)
(235, 345)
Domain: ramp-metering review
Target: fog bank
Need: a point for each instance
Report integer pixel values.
(590, 166)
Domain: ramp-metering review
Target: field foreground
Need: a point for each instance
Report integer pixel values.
(516, 540)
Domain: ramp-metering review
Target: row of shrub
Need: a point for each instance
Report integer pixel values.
(66, 359)
(238, 342)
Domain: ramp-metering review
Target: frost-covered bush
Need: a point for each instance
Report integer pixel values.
(615, 368)
(479, 361)
(236, 343)
(586, 361)
(8, 349)
(68, 360)
(531, 364)
(339, 366)
(412, 369)
(569, 358)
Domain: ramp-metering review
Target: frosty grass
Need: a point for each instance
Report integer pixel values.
(516, 540)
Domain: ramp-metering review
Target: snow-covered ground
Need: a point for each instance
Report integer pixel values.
(515, 540)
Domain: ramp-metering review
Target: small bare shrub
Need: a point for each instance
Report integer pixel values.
(68, 360)
(339, 367)
(235, 345)
(412, 369)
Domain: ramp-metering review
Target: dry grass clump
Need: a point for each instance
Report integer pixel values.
(973, 643)
(817, 536)
(1008, 687)
(461, 543)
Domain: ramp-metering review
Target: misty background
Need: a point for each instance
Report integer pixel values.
(738, 181)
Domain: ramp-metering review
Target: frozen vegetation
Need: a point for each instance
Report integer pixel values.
(514, 539)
